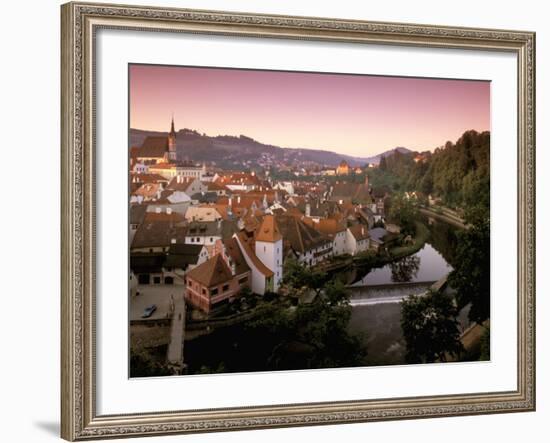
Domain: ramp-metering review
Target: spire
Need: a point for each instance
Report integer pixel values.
(172, 130)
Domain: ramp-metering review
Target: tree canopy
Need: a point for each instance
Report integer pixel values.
(472, 274)
(457, 172)
(430, 328)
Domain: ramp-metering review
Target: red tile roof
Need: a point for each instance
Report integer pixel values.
(360, 232)
(268, 230)
(212, 272)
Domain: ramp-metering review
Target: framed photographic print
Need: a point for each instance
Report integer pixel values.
(283, 221)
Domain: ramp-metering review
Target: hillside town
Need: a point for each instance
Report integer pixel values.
(210, 235)
(259, 268)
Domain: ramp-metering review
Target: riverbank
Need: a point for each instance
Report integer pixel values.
(368, 259)
(421, 237)
(444, 214)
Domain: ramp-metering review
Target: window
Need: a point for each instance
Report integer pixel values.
(214, 291)
(198, 239)
(211, 239)
(192, 240)
(264, 248)
(243, 280)
(156, 280)
(225, 288)
(203, 291)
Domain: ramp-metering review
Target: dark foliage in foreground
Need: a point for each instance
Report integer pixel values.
(471, 276)
(288, 332)
(430, 328)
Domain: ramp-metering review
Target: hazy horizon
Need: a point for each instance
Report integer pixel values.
(355, 115)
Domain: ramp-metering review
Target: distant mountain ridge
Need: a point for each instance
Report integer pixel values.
(234, 151)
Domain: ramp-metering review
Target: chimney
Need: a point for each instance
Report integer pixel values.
(308, 210)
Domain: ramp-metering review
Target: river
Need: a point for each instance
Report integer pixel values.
(376, 296)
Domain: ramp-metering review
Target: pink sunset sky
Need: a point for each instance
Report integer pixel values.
(358, 115)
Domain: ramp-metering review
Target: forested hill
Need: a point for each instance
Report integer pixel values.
(457, 172)
(238, 151)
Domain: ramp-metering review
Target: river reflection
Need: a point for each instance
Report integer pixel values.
(376, 315)
(424, 266)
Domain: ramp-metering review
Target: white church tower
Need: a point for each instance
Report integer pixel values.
(269, 248)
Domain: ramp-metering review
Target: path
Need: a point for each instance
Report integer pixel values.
(177, 334)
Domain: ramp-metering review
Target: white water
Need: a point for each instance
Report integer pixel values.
(366, 296)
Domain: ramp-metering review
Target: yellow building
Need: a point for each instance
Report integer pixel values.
(343, 168)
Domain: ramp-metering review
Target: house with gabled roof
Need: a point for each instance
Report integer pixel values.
(219, 280)
(182, 258)
(158, 232)
(146, 192)
(346, 191)
(207, 233)
(189, 185)
(334, 229)
(358, 239)
(306, 243)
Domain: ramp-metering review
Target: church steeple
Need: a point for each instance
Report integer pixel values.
(172, 130)
(172, 142)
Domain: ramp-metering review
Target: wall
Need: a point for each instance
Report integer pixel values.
(29, 373)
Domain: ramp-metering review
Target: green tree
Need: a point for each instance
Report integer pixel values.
(313, 334)
(471, 276)
(403, 212)
(299, 281)
(430, 328)
(383, 164)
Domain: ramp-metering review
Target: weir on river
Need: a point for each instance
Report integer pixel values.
(376, 295)
(390, 293)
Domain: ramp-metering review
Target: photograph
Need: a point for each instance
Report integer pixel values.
(287, 220)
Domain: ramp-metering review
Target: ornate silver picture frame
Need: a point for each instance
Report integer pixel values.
(80, 23)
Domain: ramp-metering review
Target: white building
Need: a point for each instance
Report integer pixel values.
(269, 248)
(140, 168)
(357, 239)
(171, 170)
(285, 186)
(203, 233)
(262, 276)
